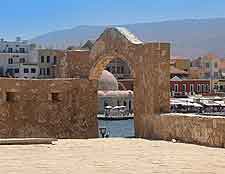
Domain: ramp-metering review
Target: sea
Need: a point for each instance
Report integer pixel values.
(121, 128)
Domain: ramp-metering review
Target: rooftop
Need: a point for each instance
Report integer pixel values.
(120, 156)
(174, 70)
(179, 58)
(130, 36)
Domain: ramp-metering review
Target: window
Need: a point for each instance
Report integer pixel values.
(207, 88)
(207, 75)
(48, 71)
(118, 70)
(42, 71)
(26, 70)
(130, 105)
(216, 74)
(48, 59)
(55, 60)
(118, 103)
(10, 50)
(216, 65)
(198, 88)
(207, 65)
(10, 61)
(122, 70)
(191, 87)
(22, 60)
(10, 96)
(124, 103)
(17, 70)
(171, 88)
(184, 88)
(176, 88)
(22, 50)
(33, 70)
(55, 97)
(42, 59)
(113, 69)
(1, 71)
(9, 71)
(105, 104)
(203, 88)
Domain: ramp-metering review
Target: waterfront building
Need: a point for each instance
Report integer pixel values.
(222, 68)
(110, 95)
(13, 56)
(219, 85)
(184, 87)
(209, 66)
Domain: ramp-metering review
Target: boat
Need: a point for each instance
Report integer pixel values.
(116, 113)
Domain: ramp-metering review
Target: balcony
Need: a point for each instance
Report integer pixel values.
(13, 51)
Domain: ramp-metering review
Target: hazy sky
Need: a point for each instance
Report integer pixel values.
(30, 18)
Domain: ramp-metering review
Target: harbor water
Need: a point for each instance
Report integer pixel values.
(118, 128)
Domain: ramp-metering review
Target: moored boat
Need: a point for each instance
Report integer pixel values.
(116, 113)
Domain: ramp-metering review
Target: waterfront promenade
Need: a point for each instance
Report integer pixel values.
(108, 156)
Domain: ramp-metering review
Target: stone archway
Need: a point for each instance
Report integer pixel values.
(67, 107)
(150, 65)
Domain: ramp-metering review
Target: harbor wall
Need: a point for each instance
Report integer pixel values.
(57, 108)
(196, 129)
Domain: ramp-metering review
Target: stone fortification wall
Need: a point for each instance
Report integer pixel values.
(209, 131)
(47, 108)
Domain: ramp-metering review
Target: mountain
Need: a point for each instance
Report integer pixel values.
(190, 38)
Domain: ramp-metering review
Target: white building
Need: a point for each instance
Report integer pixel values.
(110, 95)
(16, 57)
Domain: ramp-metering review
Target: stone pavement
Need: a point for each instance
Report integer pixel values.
(111, 156)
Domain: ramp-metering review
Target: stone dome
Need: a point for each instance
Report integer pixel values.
(107, 82)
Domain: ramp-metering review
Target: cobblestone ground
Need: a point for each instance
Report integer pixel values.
(111, 156)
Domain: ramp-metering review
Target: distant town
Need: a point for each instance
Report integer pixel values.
(189, 75)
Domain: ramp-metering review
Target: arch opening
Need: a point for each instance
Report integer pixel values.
(115, 78)
(103, 62)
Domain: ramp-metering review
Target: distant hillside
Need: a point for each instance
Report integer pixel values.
(189, 38)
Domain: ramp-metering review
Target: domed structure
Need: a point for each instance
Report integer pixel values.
(110, 95)
(107, 82)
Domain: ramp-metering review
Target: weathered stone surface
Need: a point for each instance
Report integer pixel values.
(34, 114)
(150, 69)
(188, 128)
